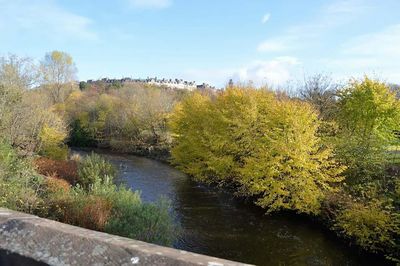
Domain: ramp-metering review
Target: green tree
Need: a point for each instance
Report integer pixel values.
(368, 115)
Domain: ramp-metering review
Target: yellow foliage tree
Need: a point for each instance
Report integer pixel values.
(52, 142)
(267, 146)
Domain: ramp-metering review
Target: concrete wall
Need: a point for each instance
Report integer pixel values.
(30, 240)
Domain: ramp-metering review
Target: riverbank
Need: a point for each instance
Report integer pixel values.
(217, 223)
(324, 221)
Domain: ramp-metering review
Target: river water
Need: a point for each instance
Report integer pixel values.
(215, 223)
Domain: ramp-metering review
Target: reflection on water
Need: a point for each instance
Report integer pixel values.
(215, 223)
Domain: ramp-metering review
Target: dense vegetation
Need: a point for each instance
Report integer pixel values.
(287, 155)
(131, 118)
(330, 151)
(80, 191)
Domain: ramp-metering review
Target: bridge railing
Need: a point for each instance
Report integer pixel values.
(41, 241)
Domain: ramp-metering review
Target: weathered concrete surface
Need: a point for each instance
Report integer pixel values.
(32, 238)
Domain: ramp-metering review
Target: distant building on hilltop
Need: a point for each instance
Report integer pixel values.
(168, 83)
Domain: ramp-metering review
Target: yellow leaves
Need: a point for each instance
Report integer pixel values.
(52, 136)
(268, 146)
(52, 142)
(371, 225)
(59, 56)
(75, 96)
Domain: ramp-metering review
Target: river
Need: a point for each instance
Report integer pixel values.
(215, 223)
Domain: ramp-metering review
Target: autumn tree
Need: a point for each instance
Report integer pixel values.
(22, 112)
(267, 147)
(58, 72)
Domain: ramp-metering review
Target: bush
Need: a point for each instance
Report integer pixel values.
(105, 207)
(56, 185)
(20, 185)
(95, 169)
(88, 211)
(142, 221)
(67, 170)
(373, 226)
(368, 115)
(52, 145)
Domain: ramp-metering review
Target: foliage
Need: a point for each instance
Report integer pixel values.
(267, 146)
(58, 74)
(373, 226)
(129, 119)
(103, 206)
(150, 222)
(66, 170)
(20, 186)
(95, 169)
(23, 112)
(52, 143)
(367, 117)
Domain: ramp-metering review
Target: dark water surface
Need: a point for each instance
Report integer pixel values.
(216, 223)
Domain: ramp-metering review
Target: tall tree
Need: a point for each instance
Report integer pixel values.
(266, 146)
(59, 73)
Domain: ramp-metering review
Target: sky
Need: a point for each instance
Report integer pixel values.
(265, 41)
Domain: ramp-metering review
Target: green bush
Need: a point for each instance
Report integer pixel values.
(95, 169)
(150, 222)
(368, 115)
(20, 185)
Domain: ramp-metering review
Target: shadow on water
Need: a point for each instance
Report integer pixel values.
(216, 223)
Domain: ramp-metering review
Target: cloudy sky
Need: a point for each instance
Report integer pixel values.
(264, 41)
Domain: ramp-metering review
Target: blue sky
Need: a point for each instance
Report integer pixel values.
(265, 41)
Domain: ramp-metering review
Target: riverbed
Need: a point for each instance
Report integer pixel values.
(214, 222)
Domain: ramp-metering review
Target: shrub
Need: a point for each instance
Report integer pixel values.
(150, 222)
(20, 186)
(56, 185)
(95, 169)
(67, 170)
(105, 207)
(368, 114)
(89, 211)
(52, 143)
(373, 226)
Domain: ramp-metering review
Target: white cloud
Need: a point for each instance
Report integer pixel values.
(265, 18)
(43, 18)
(151, 4)
(273, 72)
